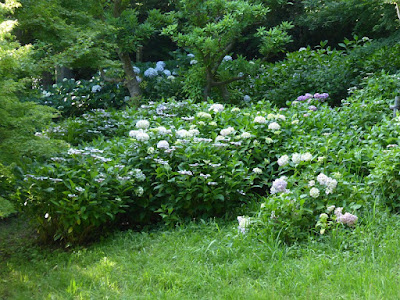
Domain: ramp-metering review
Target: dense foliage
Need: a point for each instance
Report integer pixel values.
(302, 143)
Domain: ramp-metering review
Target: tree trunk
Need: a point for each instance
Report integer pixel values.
(130, 77)
(63, 72)
(224, 92)
(47, 80)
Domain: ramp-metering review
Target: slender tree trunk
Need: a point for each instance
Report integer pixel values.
(63, 72)
(130, 77)
(224, 92)
(207, 88)
(47, 79)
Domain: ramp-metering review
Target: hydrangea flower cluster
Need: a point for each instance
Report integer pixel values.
(227, 131)
(316, 96)
(244, 224)
(96, 88)
(346, 219)
(163, 145)
(216, 107)
(150, 72)
(329, 182)
(279, 185)
(260, 120)
(142, 124)
(204, 115)
(283, 160)
(227, 58)
(274, 126)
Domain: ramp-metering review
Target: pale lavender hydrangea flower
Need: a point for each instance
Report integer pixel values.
(279, 185)
(347, 219)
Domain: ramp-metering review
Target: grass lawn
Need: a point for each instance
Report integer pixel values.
(203, 261)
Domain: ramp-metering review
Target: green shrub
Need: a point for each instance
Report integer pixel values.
(385, 178)
(75, 97)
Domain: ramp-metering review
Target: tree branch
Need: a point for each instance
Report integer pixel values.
(221, 57)
(110, 79)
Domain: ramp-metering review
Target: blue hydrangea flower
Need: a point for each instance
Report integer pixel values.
(150, 72)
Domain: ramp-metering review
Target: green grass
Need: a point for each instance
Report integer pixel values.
(203, 261)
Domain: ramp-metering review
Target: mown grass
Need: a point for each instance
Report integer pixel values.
(204, 261)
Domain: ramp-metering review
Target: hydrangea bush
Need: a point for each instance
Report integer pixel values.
(75, 97)
(199, 160)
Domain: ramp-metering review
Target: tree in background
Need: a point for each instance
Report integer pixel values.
(211, 29)
(95, 34)
(18, 120)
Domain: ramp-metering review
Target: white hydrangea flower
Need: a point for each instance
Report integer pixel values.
(202, 114)
(213, 123)
(167, 73)
(322, 179)
(227, 131)
(330, 208)
(271, 117)
(274, 126)
(216, 107)
(221, 138)
(183, 133)
(245, 135)
(311, 183)
(139, 191)
(295, 122)
(338, 211)
(163, 145)
(283, 160)
(260, 120)
(142, 136)
(281, 117)
(235, 109)
(227, 58)
(142, 124)
(314, 192)
(96, 88)
(194, 132)
(190, 55)
(193, 62)
(246, 98)
(150, 150)
(244, 223)
(133, 133)
(296, 158)
(306, 156)
(161, 130)
(257, 170)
